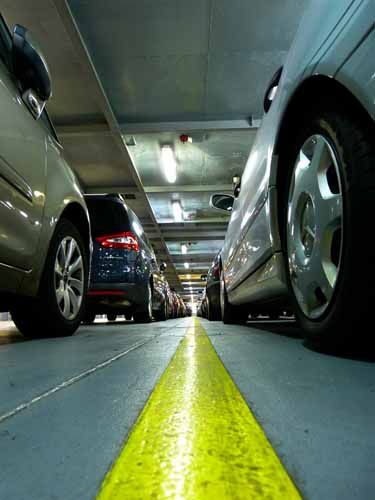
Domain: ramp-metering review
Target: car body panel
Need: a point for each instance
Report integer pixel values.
(354, 25)
(265, 284)
(22, 177)
(358, 75)
(213, 282)
(62, 191)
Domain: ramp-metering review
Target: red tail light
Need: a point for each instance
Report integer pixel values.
(127, 241)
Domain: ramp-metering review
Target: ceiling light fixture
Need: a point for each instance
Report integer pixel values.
(186, 265)
(178, 213)
(169, 163)
(184, 249)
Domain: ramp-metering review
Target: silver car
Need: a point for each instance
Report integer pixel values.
(301, 216)
(44, 225)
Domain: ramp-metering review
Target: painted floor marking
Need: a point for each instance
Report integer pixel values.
(196, 438)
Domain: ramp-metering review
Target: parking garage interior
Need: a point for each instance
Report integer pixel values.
(157, 105)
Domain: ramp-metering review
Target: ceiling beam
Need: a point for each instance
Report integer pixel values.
(216, 225)
(194, 258)
(83, 130)
(188, 126)
(111, 189)
(161, 189)
(198, 188)
(204, 220)
(86, 129)
(194, 236)
(199, 268)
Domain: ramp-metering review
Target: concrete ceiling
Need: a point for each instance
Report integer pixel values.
(172, 60)
(130, 76)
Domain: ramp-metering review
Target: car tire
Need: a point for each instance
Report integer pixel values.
(230, 314)
(213, 312)
(42, 316)
(343, 155)
(111, 317)
(162, 314)
(145, 315)
(128, 316)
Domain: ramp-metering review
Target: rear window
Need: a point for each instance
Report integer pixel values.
(107, 217)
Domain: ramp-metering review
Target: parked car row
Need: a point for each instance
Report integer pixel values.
(50, 233)
(125, 277)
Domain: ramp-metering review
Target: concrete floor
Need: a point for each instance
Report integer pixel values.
(317, 409)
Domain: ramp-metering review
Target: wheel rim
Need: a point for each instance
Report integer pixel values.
(69, 278)
(315, 226)
(222, 291)
(149, 302)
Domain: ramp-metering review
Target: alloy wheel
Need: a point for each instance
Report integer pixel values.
(149, 302)
(69, 278)
(315, 226)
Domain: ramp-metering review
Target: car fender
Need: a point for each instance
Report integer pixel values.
(62, 190)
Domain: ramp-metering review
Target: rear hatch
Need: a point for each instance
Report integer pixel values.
(116, 250)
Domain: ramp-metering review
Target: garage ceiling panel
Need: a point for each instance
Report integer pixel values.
(153, 89)
(97, 161)
(237, 82)
(259, 25)
(172, 60)
(149, 27)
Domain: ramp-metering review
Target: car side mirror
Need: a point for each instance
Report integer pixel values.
(30, 68)
(223, 202)
(163, 267)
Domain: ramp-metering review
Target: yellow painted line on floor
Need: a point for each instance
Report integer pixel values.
(196, 438)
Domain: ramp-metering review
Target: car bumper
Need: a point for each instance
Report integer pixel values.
(116, 297)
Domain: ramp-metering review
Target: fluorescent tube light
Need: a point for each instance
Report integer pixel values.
(169, 163)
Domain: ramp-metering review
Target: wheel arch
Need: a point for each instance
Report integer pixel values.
(314, 93)
(75, 214)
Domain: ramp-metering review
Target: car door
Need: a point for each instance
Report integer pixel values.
(22, 169)
(158, 279)
(231, 243)
(148, 256)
